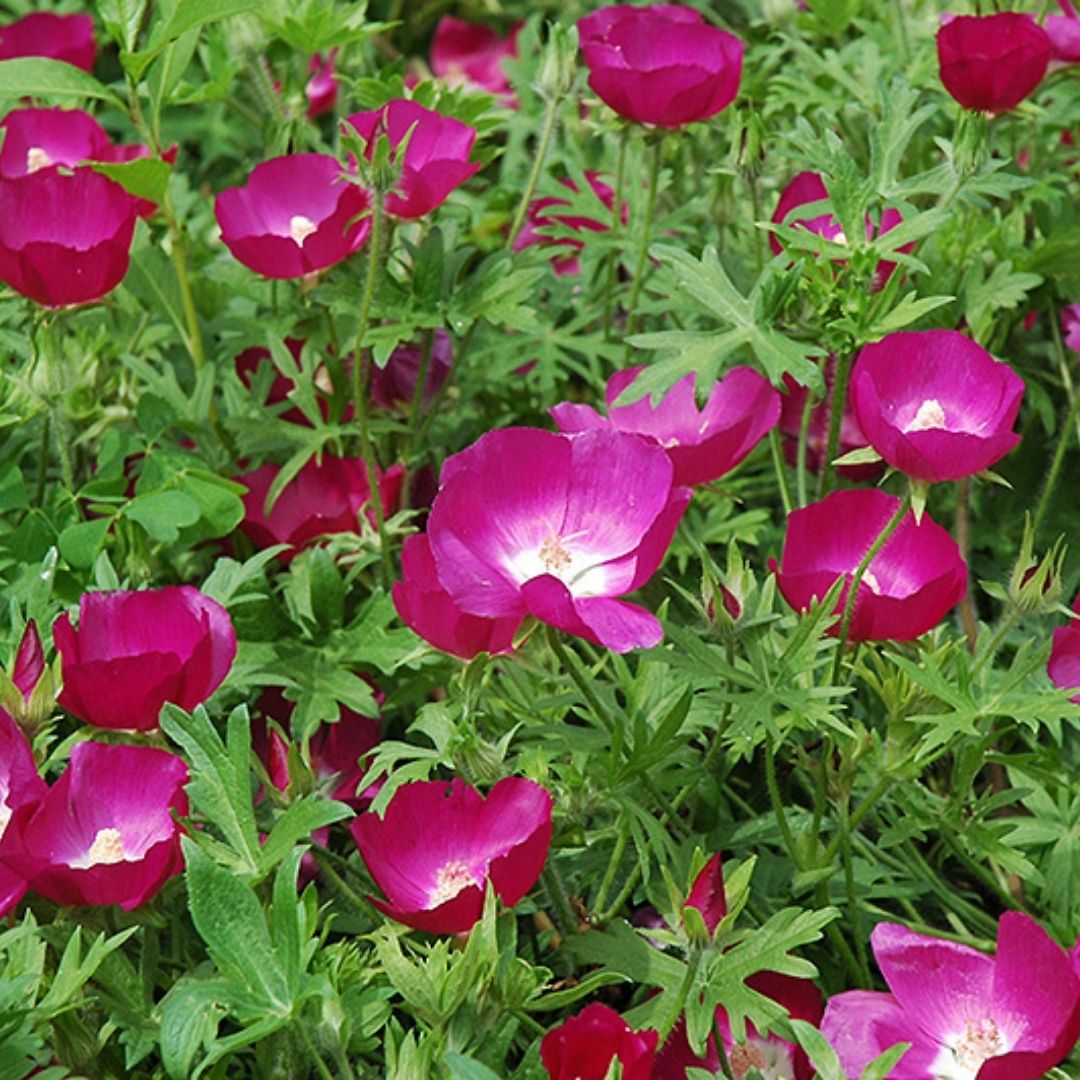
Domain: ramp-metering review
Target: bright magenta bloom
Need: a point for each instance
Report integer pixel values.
(1070, 326)
(21, 789)
(463, 52)
(321, 90)
(910, 585)
(968, 1016)
(935, 405)
(992, 62)
(104, 833)
(660, 64)
(395, 383)
(133, 651)
(59, 37)
(29, 663)
(436, 159)
(585, 1046)
(1064, 33)
(295, 215)
(529, 522)
(39, 138)
(439, 845)
(703, 444)
(65, 239)
(427, 609)
(324, 497)
(1064, 665)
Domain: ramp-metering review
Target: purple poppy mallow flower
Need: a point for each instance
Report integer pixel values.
(910, 584)
(703, 443)
(1064, 664)
(436, 159)
(935, 405)
(661, 64)
(1070, 326)
(321, 90)
(474, 55)
(968, 1016)
(41, 138)
(439, 844)
(395, 383)
(1064, 33)
(588, 1045)
(990, 63)
(29, 663)
(427, 609)
(530, 522)
(21, 790)
(295, 216)
(69, 38)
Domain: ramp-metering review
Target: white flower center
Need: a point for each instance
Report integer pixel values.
(769, 1057)
(965, 1053)
(554, 555)
(300, 228)
(5, 816)
(930, 417)
(36, 158)
(107, 848)
(840, 237)
(871, 582)
(449, 881)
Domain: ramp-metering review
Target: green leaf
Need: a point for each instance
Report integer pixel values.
(190, 1014)
(882, 1066)
(35, 76)
(299, 821)
(80, 543)
(909, 310)
(463, 1067)
(145, 178)
(163, 513)
(183, 15)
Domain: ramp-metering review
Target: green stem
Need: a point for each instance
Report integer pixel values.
(553, 885)
(415, 406)
(842, 374)
(804, 439)
(528, 1021)
(675, 1009)
(1054, 472)
(854, 915)
(193, 338)
(999, 635)
(320, 1066)
(43, 462)
(612, 866)
(778, 803)
(873, 797)
(780, 468)
(616, 230)
(550, 117)
(646, 233)
(572, 666)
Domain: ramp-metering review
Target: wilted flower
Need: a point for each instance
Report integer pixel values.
(440, 844)
(934, 404)
(134, 651)
(703, 444)
(529, 522)
(69, 38)
(463, 52)
(911, 583)
(295, 215)
(661, 64)
(586, 1046)
(992, 62)
(21, 789)
(436, 159)
(1064, 665)
(427, 609)
(395, 383)
(104, 833)
(321, 89)
(324, 497)
(65, 238)
(967, 1015)
(1064, 33)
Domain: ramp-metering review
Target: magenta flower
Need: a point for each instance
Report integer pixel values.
(39, 138)
(21, 789)
(427, 609)
(436, 159)
(439, 844)
(58, 37)
(463, 52)
(321, 89)
(296, 215)
(395, 384)
(29, 663)
(1064, 665)
(529, 522)
(104, 833)
(540, 218)
(703, 444)
(134, 651)
(65, 238)
(1070, 326)
(910, 585)
(968, 1016)
(992, 62)
(660, 64)
(1064, 33)
(247, 365)
(935, 405)
(585, 1047)
(323, 498)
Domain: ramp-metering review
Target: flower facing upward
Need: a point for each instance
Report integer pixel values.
(935, 405)
(968, 1016)
(295, 215)
(703, 444)
(436, 159)
(529, 522)
(661, 64)
(69, 38)
(992, 62)
(585, 1046)
(134, 651)
(1064, 665)
(910, 585)
(440, 844)
(463, 52)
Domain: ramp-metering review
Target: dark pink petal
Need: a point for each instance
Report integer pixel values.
(585, 1046)
(69, 38)
(395, 384)
(29, 661)
(1064, 665)
(474, 54)
(321, 89)
(862, 1024)
(707, 893)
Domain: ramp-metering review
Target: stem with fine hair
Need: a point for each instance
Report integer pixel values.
(962, 521)
(780, 467)
(177, 250)
(550, 117)
(804, 439)
(415, 406)
(646, 232)
(612, 866)
(841, 375)
(616, 230)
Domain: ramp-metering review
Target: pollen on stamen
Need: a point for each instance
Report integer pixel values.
(107, 848)
(744, 1057)
(553, 554)
(930, 417)
(37, 158)
(980, 1041)
(449, 881)
(300, 227)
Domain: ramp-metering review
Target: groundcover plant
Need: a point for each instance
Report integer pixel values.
(534, 540)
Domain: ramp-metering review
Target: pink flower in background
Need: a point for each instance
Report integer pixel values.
(703, 443)
(935, 405)
(134, 651)
(436, 159)
(1070, 326)
(529, 522)
(585, 1047)
(707, 894)
(1064, 665)
(21, 789)
(1064, 33)
(65, 238)
(469, 53)
(69, 38)
(427, 609)
(247, 365)
(395, 383)
(661, 64)
(992, 62)
(321, 90)
(540, 217)
(910, 585)
(296, 215)
(968, 1016)
(323, 498)
(439, 844)
(29, 663)
(104, 833)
